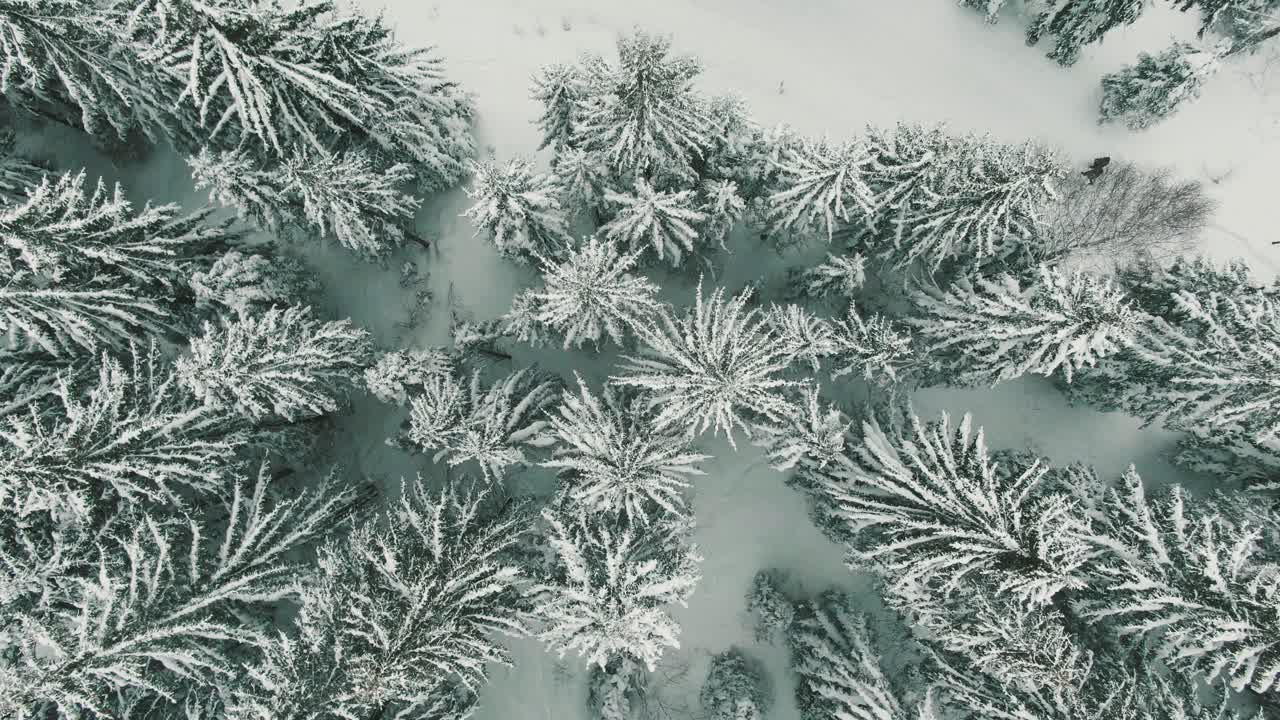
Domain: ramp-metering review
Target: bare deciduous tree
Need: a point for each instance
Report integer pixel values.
(1126, 214)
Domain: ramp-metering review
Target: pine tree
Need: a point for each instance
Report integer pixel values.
(1246, 23)
(735, 689)
(773, 611)
(605, 596)
(648, 218)
(66, 322)
(716, 367)
(249, 283)
(282, 364)
(280, 77)
(591, 294)
(642, 114)
(401, 614)
(463, 421)
(394, 373)
(1235, 455)
(343, 196)
(517, 209)
(722, 207)
(821, 186)
(1195, 582)
(562, 90)
(129, 434)
(809, 435)
(1144, 94)
(839, 275)
(17, 174)
(581, 182)
(990, 331)
(839, 673)
(613, 459)
(958, 200)
(1076, 23)
(990, 7)
(928, 503)
(160, 609)
(804, 337)
(873, 347)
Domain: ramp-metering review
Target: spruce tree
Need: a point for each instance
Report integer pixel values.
(400, 617)
(735, 689)
(613, 459)
(1076, 23)
(280, 365)
(649, 219)
(822, 187)
(561, 89)
(988, 331)
(605, 596)
(240, 284)
(518, 210)
(717, 366)
(990, 7)
(1144, 94)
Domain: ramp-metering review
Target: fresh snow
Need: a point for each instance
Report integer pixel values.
(822, 66)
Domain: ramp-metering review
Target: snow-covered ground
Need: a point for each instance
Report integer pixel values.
(823, 66)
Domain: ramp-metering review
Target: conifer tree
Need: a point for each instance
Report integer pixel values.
(872, 347)
(1144, 94)
(652, 219)
(246, 283)
(605, 596)
(394, 373)
(464, 420)
(613, 459)
(642, 114)
(717, 367)
(990, 331)
(280, 365)
(561, 89)
(1076, 23)
(518, 210)
(822, 187)
(810, 435)
(129, 433)
(1245, 23)
(839, 275)
(581, 183)
(164, 607)
(990, 7)
(343, 196)
(1196, 582)
(400, 617)
(591, 295)
(735, 688)
(722, 207)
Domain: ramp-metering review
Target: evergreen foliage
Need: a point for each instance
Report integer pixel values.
(1144, 94)
(822, 184)
(613, 459)
(716, 367)
(605, 596)
(247, 283)
(282, 364)
(988, 331)
(518, 210)
(1076, 23)
(735, 688)
(651, 219)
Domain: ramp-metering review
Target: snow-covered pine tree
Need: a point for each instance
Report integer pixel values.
(1076, 23)
(280, 365)
(925, 502)
(649, 219)
(838, 670)
(163, 607)
(1246, 23)
(462, 420)
(643, 114)
(811, 434)
(772, 610)
(722, 208)
(717, 366)
(1144, 94)
(59, 61)
(517, 208)
(821, 187)
(69, 322)
(986, 331)
(246, 283)
(581, 182)
(806, 339)
(614, 459)
(281, 77)
(990, 7)
(1191, 579)
(401, 614)
(841, 276)
(1235, 455)
(395, 373)
(17, 173)
(875, 348)
(64, 235)
(128, 433)
(344, 196)
(604, 598)
(591, 295)
(957, 200)
(736, 688)
(1213, 366)
(561, 89)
